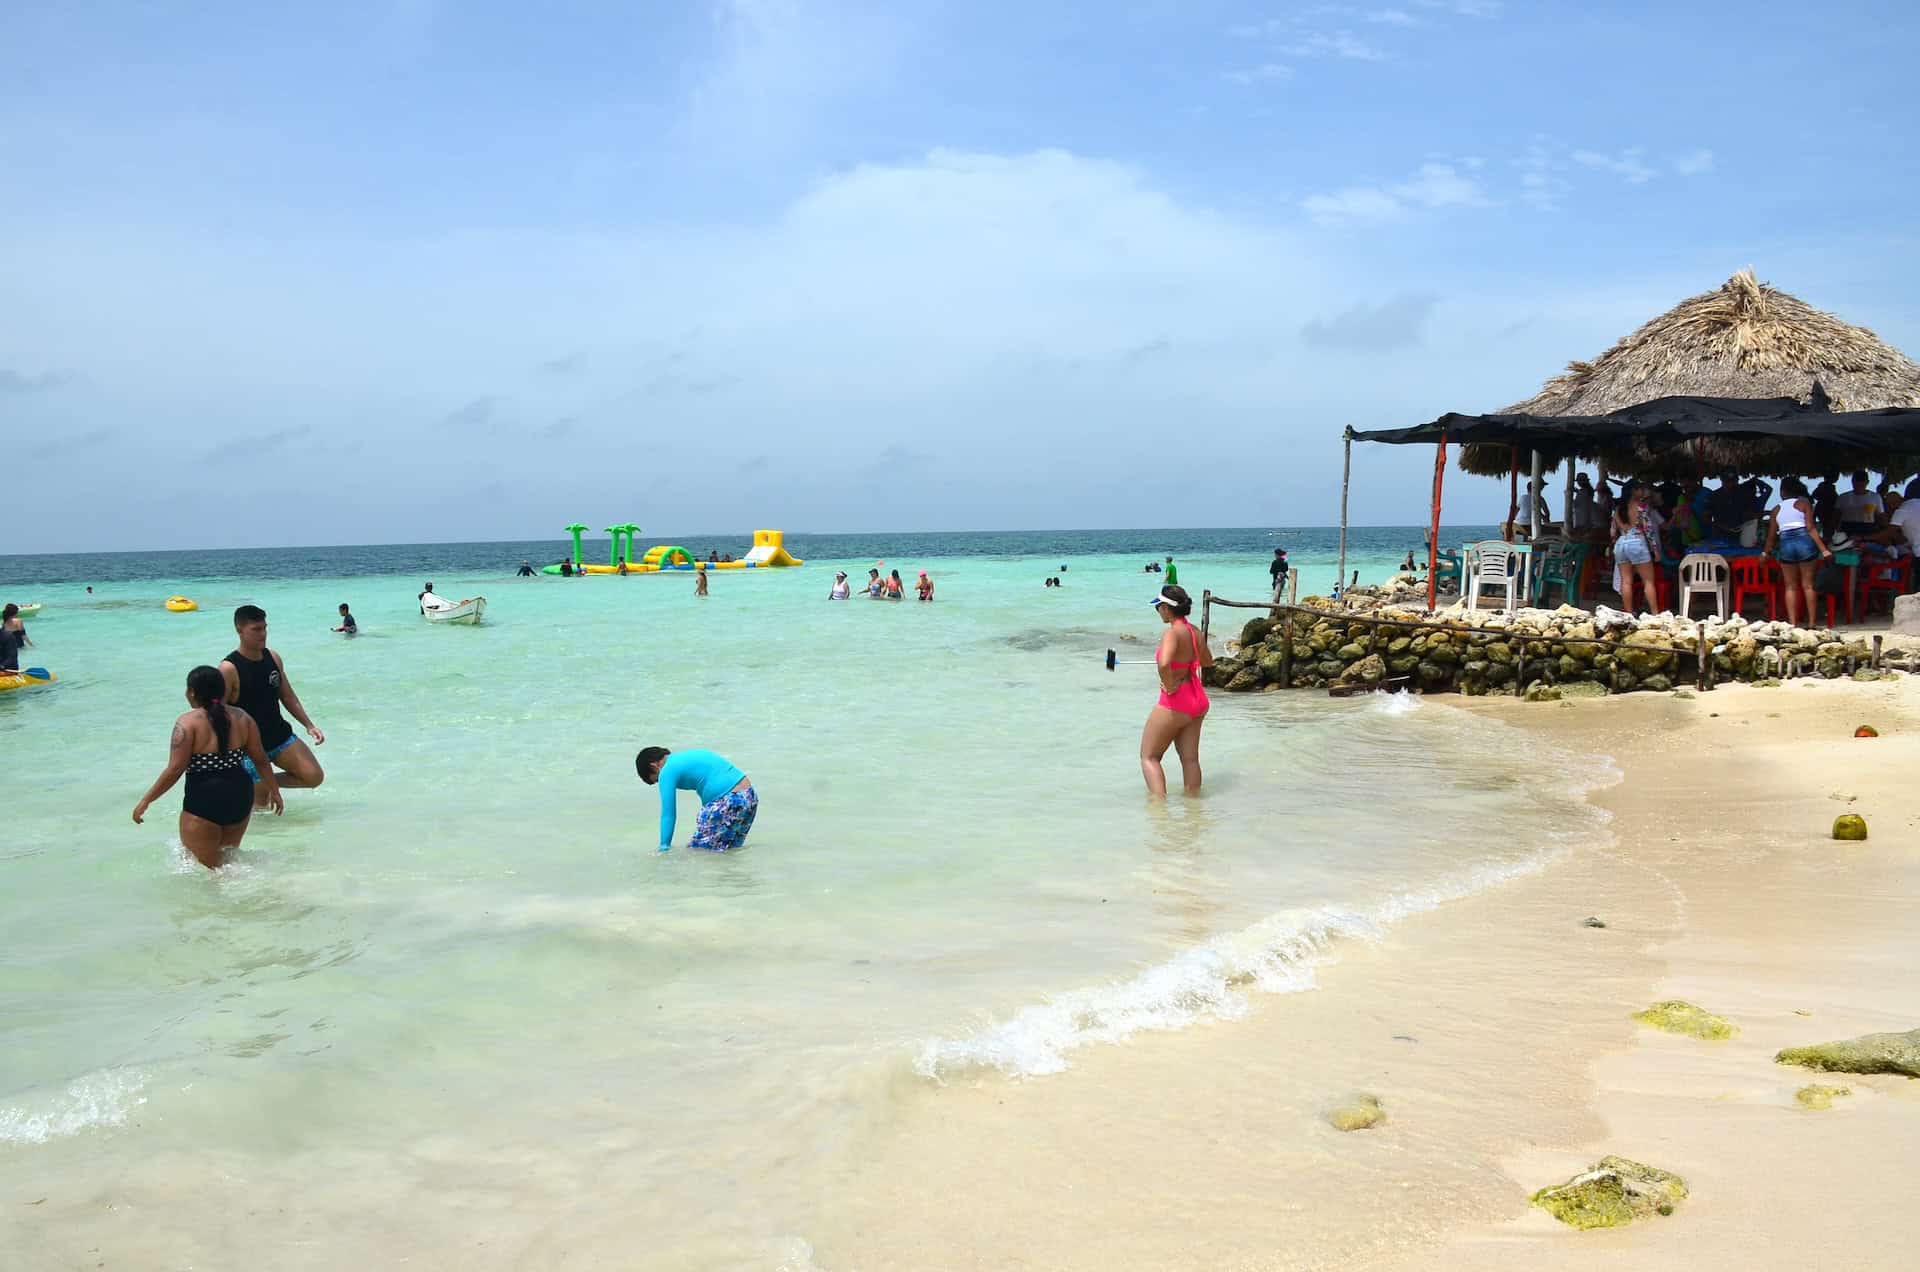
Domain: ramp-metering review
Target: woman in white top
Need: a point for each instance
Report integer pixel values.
(1794, 540)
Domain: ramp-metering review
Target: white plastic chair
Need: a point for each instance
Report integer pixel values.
(1493, 566)
(1705, 573)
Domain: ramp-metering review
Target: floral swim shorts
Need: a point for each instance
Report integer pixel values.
(723, 824)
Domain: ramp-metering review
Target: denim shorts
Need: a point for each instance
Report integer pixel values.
(1631, 549)
(1796, 547)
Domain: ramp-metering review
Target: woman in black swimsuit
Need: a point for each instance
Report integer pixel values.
(210, 743)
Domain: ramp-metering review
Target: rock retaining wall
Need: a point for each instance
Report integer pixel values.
(1543, 650)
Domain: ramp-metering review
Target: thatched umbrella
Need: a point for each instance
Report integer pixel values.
(1744, 339)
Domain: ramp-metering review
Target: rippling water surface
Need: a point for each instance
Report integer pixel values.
(454, 1001)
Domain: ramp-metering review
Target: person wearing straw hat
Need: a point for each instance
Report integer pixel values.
(1176, 718)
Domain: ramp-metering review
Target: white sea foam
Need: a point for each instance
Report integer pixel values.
(102, 1098)
(1278, 955)
(1397, 703)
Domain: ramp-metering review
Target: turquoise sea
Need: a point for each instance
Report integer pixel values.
(453, 1008)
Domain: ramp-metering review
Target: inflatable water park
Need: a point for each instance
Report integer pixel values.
(769, 552)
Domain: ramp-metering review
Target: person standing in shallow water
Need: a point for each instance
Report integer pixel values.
(728, 802)
(700, 579)
(256, 682)
(1176, 719)
(213, 747)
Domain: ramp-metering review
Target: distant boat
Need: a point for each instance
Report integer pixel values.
(439, 609)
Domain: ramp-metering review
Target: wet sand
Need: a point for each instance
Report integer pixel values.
(1496, 1033)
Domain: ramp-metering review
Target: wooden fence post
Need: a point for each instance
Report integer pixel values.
(1286, 653)
(1206, 613)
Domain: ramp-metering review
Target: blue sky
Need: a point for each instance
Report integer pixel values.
(413, 270)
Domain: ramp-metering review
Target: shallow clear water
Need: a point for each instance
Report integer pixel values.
(458, 978)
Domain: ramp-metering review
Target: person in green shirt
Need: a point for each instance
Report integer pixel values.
(1173, 575)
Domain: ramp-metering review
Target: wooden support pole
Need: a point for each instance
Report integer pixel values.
(1346, 476)
(1533, 497)
(1875, 664)
(1206, 613)
(1433, 532)
(1286, 653)
(1700, 674)
(1513, 491)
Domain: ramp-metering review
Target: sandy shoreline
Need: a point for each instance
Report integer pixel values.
(1497, 1032)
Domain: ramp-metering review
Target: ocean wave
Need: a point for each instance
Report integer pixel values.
(103, 1098)
(1280, 954)
(1397, 703)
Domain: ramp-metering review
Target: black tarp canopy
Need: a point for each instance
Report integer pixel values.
(1673, 435)
(1882, 439)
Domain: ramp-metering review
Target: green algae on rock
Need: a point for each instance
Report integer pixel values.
(1851, 827)
(1357, 1113)
(1869, 1053)
(1615, 1192)
(1816, 1096)
(1676, 1016)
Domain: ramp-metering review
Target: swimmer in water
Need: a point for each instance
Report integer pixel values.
(1176, 719)
(924, 588)
(347, 624)
(256, 682)
(213, 746)
(728, 802)
(841, 590)
(700, 579)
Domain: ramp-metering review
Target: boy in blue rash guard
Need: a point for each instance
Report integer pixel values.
(728, 802)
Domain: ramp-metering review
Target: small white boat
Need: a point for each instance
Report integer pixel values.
(439, 609)
(28, 611)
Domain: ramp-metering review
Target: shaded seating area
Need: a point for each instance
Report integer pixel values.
(1739, 384)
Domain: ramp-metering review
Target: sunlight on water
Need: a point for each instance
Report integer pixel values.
(460, 966)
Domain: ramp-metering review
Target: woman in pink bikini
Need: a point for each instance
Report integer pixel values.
(1176, 720)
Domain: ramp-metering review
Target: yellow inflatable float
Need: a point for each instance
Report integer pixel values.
(769, 552)
(25, 679)
(181, 605)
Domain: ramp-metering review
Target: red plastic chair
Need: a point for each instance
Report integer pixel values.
(1892, 577)
(1755, 576)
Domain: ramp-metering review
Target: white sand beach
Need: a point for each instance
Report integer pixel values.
(1496, 1031)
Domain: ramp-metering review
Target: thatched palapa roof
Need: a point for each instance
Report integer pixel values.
(1744, 339)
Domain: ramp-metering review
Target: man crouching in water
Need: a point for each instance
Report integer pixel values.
(257, 683)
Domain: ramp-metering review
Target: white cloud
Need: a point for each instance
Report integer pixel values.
(1542, 185)
(1440, 185)
(1265, 73)
(1355, 203)
(1692, 165)
(1463, 8)
(1630, 164)
(1336, 44)
(1392, 17)
(1433, 186)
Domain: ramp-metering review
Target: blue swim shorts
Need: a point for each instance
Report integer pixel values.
(1795, 547)
(274, 754)
(723, 824)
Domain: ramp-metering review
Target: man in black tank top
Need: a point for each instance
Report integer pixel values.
(257, 684)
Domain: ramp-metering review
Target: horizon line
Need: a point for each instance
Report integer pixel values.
(598, 537)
